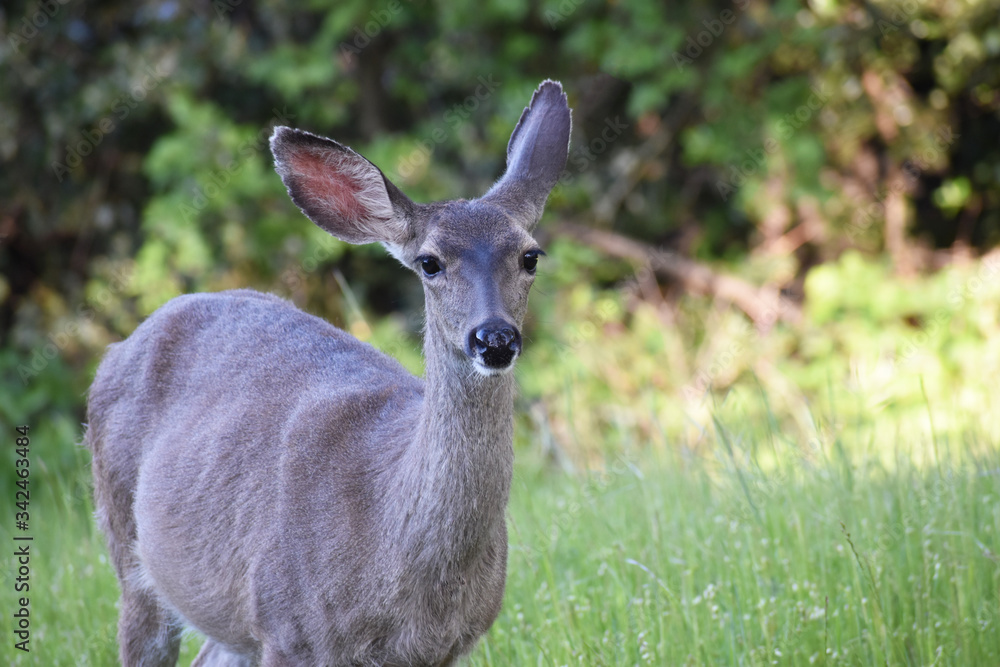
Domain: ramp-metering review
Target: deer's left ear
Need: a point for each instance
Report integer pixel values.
(339, 190)
(536, 155)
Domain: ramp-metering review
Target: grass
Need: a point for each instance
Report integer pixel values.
(802, 565)
(746, 551)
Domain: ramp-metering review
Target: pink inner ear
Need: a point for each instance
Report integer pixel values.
(329, 183)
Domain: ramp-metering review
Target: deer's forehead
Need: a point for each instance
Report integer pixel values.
(464, 227)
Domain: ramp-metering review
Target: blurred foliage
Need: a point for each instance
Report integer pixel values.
(913, 361)
(840, 152)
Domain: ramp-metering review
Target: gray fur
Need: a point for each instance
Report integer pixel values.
(295, 494)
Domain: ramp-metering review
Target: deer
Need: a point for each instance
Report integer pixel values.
(295, 495)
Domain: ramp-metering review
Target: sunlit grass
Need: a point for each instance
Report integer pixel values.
(709, 563)
(748, 548)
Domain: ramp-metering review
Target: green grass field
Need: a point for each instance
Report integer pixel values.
(743, 551)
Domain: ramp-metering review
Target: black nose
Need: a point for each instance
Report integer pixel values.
(496, 343)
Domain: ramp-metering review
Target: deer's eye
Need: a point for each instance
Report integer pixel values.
(430, 266)
(530, 260)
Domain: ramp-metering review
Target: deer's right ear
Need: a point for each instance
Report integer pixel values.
(339, 190)
(536, 154)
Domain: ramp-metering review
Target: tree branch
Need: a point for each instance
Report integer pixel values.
(763, 305)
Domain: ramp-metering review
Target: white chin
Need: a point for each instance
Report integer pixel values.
(483, 369)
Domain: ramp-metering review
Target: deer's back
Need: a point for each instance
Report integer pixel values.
(233, 350)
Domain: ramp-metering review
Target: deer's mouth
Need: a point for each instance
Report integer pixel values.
(495, 366)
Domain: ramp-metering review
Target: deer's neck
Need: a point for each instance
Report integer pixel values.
(461, 463)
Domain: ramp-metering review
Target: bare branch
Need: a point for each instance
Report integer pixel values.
(763, 305)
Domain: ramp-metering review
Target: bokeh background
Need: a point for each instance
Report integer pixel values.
(774, 246)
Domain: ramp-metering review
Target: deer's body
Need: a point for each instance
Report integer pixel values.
(396, 571)
(291, 492)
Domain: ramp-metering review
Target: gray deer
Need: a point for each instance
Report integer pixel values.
(296, 495)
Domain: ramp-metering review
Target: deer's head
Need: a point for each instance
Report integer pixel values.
(476, 257)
